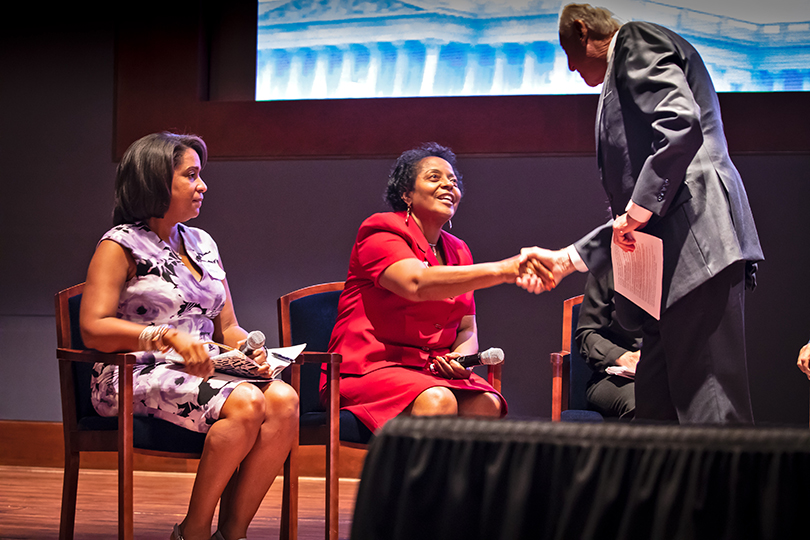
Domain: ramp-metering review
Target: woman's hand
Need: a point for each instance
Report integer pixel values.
(196, 360)
(260, 357)
(546, 269)
(629, 359)
(513, 267)
(446, 366)
(803, 363)
(520, 266)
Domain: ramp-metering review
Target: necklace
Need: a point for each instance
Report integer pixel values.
(433, 249)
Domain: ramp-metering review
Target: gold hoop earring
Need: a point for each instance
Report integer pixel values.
(408, 216)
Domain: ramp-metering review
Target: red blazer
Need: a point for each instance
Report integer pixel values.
(376, 328)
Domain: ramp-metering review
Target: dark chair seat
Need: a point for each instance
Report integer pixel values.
(581, 415)
(351, 429)
(152, 434)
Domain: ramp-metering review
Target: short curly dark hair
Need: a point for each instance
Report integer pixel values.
(143, 180)
(403, 173)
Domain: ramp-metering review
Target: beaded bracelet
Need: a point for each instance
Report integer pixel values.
(151, 338)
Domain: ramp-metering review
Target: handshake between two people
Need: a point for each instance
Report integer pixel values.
(541, 269)
(538, 270)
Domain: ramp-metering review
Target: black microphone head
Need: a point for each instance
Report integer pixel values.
(492, 356)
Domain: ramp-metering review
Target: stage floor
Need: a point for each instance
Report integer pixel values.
(30, 500)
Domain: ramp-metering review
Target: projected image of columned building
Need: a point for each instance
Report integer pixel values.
(333, 49)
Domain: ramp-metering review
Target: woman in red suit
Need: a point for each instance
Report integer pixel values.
(407, 310)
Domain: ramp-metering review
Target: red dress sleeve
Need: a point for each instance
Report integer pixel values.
(375, 327)
(378, 250)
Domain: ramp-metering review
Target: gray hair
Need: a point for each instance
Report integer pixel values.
(599, 21)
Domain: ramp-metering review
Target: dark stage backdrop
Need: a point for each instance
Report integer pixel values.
(283, 224)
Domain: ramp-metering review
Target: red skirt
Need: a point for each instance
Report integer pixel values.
(382, 394)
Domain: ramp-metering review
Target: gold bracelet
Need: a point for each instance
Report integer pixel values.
(158, 338)
(151, 338)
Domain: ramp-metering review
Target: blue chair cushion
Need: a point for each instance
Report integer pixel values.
(581, 415)
(578, 376)
(150, 433)
(351, 429)
(311, 321)
(579, 372)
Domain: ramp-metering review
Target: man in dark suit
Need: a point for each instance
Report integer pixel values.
(665, 167)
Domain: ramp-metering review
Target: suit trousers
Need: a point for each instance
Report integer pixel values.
(612, 396)
(693, 365)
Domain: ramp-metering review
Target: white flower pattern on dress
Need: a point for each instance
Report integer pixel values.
(164, 291)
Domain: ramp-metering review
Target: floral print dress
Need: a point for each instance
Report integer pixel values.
(164, 291)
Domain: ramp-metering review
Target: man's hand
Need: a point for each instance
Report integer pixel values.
(546, 269)
(623, 227)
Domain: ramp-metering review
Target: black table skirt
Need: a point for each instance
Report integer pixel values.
(467, 479)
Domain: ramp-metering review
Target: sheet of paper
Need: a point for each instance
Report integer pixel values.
(638, 275)
(621, 371)
(280, 358)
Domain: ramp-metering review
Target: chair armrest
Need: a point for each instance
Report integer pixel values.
(494, 376)
(125, 363)
(557, 360)
(559, 384)
(92, 357)
(311, 357)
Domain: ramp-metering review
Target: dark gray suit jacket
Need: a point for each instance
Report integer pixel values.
(660, 142)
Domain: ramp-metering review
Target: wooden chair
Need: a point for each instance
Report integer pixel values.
(86, 431)
(308, 316)
(570, 373)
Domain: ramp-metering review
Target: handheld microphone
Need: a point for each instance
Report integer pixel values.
(255, 340)
(489, 357)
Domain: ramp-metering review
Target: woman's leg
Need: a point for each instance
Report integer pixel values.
(228, 442)
(263, 462)
(478, 403)
(435, 401)
(226, 498)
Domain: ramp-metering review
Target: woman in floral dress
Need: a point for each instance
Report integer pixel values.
(158, 287)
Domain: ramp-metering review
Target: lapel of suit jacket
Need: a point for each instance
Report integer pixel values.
(607, 88)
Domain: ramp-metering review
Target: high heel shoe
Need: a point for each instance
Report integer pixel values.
(176, 534)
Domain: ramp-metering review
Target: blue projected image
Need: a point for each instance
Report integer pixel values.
(338, 49)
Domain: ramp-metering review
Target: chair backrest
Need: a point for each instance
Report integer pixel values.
(308, 316)
(149, 434)
(569, 402)
(69, 336)
(579, 372)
